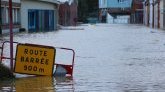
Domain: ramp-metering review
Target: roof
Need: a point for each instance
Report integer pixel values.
(68, 1)
(50, 1)
(62, 0)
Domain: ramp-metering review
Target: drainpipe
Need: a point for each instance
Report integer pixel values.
(148, 14)
(58, 19)
(158, 13)
(153, 14)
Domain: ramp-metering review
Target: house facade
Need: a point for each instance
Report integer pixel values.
(154, 13)
(31, 15)
(137, 12)
(73, 13)
(115, 11)
(39, 15)
(5, 16)
(64, 14)
(146, 13)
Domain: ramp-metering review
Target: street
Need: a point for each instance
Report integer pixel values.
(109, 57)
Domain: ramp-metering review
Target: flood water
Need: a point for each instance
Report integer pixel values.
(109, 58)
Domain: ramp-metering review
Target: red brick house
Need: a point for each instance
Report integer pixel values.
(68, 13)
(64, 14)
(137, 12)
(73, 13)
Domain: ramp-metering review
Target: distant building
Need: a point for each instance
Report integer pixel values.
(154, 14)
(68, 13)
(157, 13)
(73, 12)
(5, 16)
(64, 14)
(39, 15)
(137, 12)
(115, 11)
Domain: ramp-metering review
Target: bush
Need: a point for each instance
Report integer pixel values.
(22, 30)
(5, 72)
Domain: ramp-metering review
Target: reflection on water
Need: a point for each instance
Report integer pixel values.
(37, 84)
(7, 86)
(64, 84)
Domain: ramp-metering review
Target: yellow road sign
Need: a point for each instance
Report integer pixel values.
(34, 59)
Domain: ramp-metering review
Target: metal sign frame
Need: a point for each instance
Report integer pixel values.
(69, 68)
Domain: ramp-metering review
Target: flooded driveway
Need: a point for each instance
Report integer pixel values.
(109, 58)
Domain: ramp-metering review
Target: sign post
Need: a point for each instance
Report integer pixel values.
(34, 59)
(11, 34)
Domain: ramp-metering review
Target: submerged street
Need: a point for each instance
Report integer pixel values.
(109, 58)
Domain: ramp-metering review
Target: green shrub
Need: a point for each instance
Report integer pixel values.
(5, 72)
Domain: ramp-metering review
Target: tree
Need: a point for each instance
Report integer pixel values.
(82, 10)
(86, 9)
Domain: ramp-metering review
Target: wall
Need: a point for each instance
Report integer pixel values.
(7, 31)
(116, 4)
(156, 15)
(64, 14)
(145, 14)
(110, 19)
(151, 14)
(73, 14)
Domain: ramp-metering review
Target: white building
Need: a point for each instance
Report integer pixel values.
(39, 15)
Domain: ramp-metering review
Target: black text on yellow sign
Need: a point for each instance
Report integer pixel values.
(34, 59)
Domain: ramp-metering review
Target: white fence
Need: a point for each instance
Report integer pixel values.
(125, 19)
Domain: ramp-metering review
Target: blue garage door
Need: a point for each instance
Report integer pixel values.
(40, 20)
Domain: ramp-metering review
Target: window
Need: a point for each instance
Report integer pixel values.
(40, 20)
(7, 15)
(16, 16)
(3, 15)
(104, 2)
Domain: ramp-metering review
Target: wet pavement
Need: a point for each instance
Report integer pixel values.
(109, 58)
